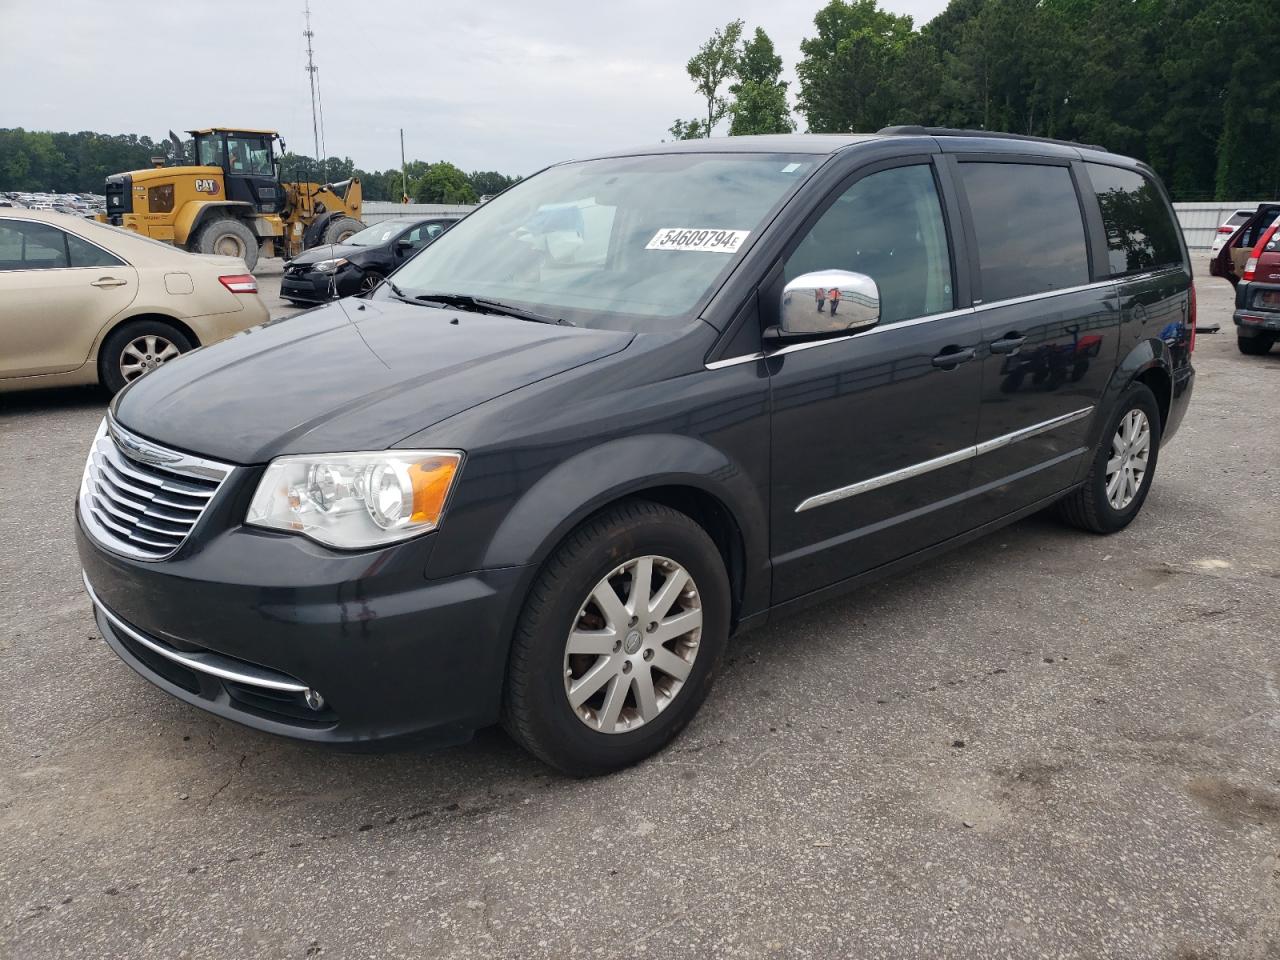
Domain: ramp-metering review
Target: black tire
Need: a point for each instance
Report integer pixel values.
(300, 304)
(229, 238)
(341, 229)
(1088, 506)
(113, 349)
(369, 282)
(536, 708)
(1254, 346)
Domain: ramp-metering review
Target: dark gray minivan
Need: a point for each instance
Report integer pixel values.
(627, 408)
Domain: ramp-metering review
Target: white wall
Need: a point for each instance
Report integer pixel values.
(374, 210)
(1200, 221)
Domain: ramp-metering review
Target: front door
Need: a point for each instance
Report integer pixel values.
(872, 434)
(57, 291)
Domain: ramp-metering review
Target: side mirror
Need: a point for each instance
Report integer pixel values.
(404, 246)
(827, 302)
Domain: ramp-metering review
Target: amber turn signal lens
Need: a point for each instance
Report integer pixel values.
(431, 481)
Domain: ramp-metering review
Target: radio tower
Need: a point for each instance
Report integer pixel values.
(311, 75)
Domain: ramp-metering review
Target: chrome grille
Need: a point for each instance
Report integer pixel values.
(141, 499)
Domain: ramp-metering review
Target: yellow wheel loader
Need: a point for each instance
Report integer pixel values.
(232, 200)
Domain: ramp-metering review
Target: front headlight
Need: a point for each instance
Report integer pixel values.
(329, 266)
(355, 500)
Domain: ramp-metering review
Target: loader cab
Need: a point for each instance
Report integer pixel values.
(248, 163)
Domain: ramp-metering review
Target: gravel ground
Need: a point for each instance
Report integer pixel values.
(1047, 744)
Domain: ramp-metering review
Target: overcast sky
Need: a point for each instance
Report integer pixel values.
(503, 85)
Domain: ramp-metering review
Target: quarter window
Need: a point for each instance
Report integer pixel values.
(1029, 229)
(26, 245)
(888, 226)
(1141, 234)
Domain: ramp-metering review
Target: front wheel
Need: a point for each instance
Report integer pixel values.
(368, 283)
(618, 641)
(228, 238)
(1123, 466)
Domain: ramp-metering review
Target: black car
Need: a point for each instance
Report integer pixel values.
(627, 408)
(362, 262)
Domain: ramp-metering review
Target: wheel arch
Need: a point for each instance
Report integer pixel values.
(678, 471)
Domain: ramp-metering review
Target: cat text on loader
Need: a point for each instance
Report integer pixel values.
(232, 201)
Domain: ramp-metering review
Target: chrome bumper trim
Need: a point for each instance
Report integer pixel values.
(212, 664)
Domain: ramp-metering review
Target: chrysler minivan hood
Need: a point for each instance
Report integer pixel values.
(353, 375)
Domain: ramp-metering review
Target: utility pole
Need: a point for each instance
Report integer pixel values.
(311, 75)
(404, 175)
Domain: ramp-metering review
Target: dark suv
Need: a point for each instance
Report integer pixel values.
(627, 408)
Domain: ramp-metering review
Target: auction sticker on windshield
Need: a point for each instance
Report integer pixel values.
(695, 238)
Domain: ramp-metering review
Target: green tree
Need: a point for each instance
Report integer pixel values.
(489, 182)
(442, 183)
(715, 63)
(760, 95)
(688, 130)
(847, 71)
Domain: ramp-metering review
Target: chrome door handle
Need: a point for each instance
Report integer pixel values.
(108, 282)
(1008, 343)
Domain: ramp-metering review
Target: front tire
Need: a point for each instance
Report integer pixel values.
(228, 238)
(618, 641)
(135, 348)
(1123, 466)
(1254, 346)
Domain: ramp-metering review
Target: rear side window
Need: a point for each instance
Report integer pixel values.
(1029, 228)
(85, 254)
(1141, 232)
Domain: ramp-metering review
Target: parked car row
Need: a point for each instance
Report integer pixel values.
(76, 204)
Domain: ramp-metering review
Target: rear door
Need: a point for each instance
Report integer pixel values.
(1049, 330)
(57, 290)
(871, 434)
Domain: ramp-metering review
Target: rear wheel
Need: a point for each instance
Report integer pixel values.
(1254, 346)
(138, 347)
(228, 238)
(1123, 466)
(342, 229)
(618, 641)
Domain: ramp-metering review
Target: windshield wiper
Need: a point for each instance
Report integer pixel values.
(465, 301)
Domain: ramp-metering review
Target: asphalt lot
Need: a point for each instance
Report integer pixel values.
(1046, 744)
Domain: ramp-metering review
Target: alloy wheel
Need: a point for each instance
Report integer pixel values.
(369, 282)
(1128, 464)
(143, 354)
(633, 644)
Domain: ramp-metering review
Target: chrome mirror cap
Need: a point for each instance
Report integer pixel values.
(829, 301)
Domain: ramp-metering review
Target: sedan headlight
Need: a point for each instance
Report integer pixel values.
(329, 266)
(355, 500)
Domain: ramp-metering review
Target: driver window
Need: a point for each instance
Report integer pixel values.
(888, 226)
(249, 155)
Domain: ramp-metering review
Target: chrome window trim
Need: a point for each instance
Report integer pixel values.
(977, 307)
(937, 463)
(212, 664)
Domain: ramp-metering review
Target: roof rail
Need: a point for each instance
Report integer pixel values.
(918, 131)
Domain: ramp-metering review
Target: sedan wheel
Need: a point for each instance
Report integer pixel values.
(370, 283)
(1128, 464)
(144, 354)
(633, 644)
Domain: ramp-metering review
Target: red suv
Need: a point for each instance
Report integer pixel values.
(1257, 314)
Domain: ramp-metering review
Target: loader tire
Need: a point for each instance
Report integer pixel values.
(229, 238)
(342, 229)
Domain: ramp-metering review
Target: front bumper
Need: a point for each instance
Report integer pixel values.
(249, 623)
(315, 287)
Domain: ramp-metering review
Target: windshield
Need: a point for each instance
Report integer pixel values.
(380, 232)
(626, 241)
